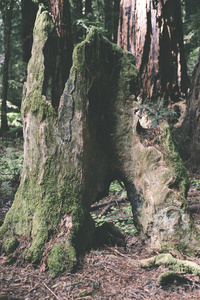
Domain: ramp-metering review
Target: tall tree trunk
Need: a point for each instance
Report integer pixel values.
(190, 129)
(88, 8)
(108, 11)
(60, 11)
(29, 11)
(116, 20)
(7, 22)
(71, 157)
(77, 15)
(152, 31)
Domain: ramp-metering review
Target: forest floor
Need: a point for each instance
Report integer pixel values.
(108, 271)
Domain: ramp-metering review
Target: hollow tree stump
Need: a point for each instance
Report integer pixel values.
(71, 156)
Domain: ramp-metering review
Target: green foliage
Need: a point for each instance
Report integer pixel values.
(14, 119)
(191, 26)
(157, 112)
(117, 188)
(195, 182)
(125, 224)
(11, 163)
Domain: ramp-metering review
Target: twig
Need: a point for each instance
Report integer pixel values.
(51, 291)
(119, 253)
(105, 209)
(120, 217)
(117, 272)
(98, 205)
(194, 208)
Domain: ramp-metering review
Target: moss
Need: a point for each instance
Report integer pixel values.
(177, 265)
(11, 259)
(173, 158)
(171, 277)
(33, 101)
(10, 245)
(62, 258)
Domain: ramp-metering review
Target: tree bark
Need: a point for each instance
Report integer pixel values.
(88, 8)
(7, 23)
(60, 11)
(29, 11)
(108, 11)
(77, 15)
(116, 20)
(189, 130)
(152, 31)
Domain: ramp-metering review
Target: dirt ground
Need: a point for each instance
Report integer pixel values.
(107, 272)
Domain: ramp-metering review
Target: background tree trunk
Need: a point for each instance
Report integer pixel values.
(60, 11)
(108, 11)
(78, 14)
(152, 31)
(7, 23)
(29, 11)
(88, 9)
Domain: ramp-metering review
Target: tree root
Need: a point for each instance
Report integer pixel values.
(175, 265)
(171, 277)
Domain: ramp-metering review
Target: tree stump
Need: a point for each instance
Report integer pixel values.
(71, 156)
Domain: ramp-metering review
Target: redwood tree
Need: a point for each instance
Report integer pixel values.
(6, 11)
(29, 11)
(60, 11)
(152, 31)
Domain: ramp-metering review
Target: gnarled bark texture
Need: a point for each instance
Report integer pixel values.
(70, 158)
(152, 31)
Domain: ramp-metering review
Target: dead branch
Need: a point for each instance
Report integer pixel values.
(115, 200)
(120, 217)
(194, 208)
(50, 291)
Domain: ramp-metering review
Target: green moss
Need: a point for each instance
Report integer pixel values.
(171, 277)
(33, 101)
(172, 158)
(10, 245)
(177, 265)
(11, 259)
(62, 258)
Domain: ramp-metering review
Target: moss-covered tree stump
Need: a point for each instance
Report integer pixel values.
(72, 155)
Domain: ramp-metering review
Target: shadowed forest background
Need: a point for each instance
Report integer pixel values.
(166, 54)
